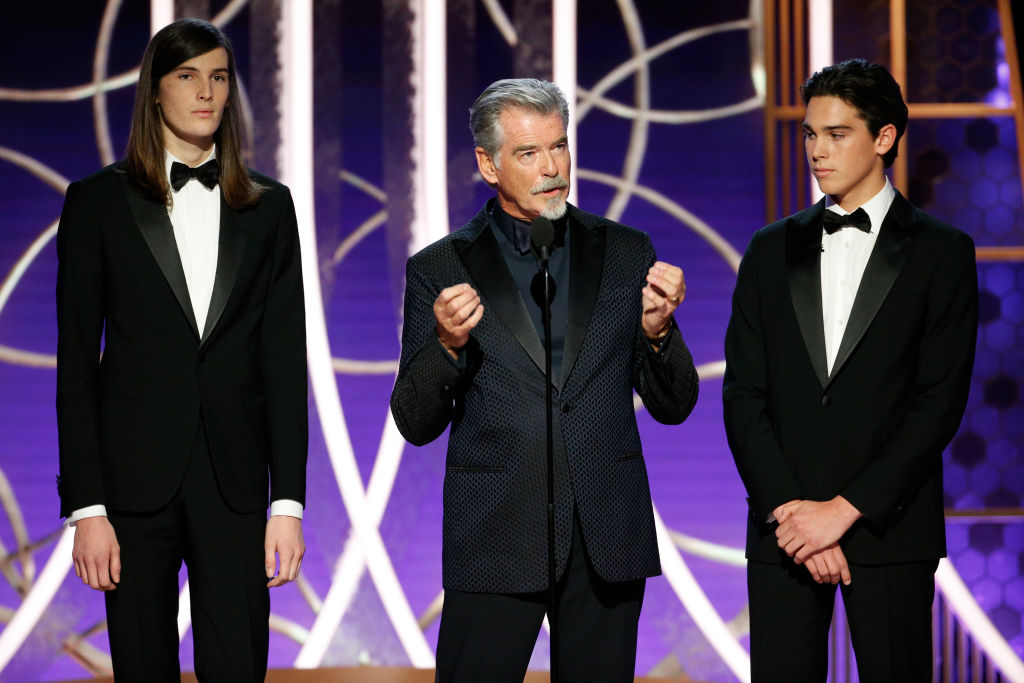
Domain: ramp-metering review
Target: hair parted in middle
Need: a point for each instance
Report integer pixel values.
(531, 94)
(171, 46)
(868, 88)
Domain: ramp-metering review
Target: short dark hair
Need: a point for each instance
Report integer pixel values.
(144, 158)
(868, 88)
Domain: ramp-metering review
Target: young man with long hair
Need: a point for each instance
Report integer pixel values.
(181, 376)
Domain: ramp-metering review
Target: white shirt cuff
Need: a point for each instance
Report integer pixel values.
(82, 513)
(286, 507)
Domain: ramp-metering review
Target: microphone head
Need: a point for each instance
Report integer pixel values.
(542, 234)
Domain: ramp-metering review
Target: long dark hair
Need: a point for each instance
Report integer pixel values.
(144, 158)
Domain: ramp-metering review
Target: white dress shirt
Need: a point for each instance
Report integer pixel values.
(845, 255)
(195, 218)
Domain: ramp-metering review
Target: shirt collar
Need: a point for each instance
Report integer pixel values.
(876, 208)
(517, 230)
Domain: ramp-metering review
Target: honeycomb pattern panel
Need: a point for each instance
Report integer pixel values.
(965, 171)
(953, 52)
(990, 558)
(861, 30)
(984, 466)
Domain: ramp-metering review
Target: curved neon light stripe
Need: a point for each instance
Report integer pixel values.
(295, 157)
(38, 598)
(697, 604)
(983, 634)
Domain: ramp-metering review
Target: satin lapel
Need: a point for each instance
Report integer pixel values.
(887, 258)
(587, 247)
(482, 258)
(156, 229)
(230, 247)
(803, 271)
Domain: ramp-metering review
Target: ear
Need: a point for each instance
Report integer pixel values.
(885, 139)
(485, 163)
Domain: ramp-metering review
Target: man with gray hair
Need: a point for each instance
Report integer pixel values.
(473, 358)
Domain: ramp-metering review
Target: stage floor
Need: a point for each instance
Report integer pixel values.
(371, 675)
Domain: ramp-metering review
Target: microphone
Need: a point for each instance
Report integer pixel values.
(542, 236)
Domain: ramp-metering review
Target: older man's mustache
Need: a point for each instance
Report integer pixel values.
(550, 184)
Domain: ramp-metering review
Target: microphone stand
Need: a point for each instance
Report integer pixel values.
(548, 417)
(542, 238)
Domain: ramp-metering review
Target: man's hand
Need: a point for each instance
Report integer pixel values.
(829, 566)
(457, 310)
(664, 291)
(809, 526)
(284, 537)
(96, 553)
(782, 513)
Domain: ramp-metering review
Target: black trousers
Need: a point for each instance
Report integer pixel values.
(230, 602)
(490, 636)
(888, 608)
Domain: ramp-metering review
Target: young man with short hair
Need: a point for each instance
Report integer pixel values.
(848, 362)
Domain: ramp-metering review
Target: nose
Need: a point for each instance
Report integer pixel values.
(205, 90)
(548, 165)
(816, 147)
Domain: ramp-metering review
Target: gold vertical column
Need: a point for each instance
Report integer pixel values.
(1010, 45)
(898, 64)
(771, 147)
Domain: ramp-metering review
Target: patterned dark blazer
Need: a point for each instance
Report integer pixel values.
(495, 528)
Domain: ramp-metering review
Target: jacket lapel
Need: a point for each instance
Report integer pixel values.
(156, 229)
(482, 257)
(887, 258)
(230, 248)
(803, 271)
(587, 247)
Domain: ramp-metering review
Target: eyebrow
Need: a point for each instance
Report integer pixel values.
(828, 129)
(526, 148)
(192, 68)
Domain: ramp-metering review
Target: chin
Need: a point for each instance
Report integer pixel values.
(555, 209)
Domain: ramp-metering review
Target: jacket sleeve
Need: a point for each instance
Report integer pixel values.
(912, 453)
(748, 425)
(666, 380)
(283, 347)
(79, 329)
(429, 380)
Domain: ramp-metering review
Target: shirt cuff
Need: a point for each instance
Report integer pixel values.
(286, 507)
(83, 513)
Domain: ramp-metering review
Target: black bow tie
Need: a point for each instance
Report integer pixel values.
(208, 174)
(859, 219)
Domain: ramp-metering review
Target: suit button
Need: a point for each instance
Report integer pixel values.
(565, 408)
(826, 401)
(202, 358)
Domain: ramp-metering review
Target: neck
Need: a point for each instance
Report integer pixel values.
(856, 198)
(192, 153)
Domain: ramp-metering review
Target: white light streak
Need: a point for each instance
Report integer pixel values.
(819, 37)
(563, 70)
(38, 598)
(430, 119)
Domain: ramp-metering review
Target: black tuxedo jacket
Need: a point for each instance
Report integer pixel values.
(495, 493)
(127, 422)
(872, 430)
